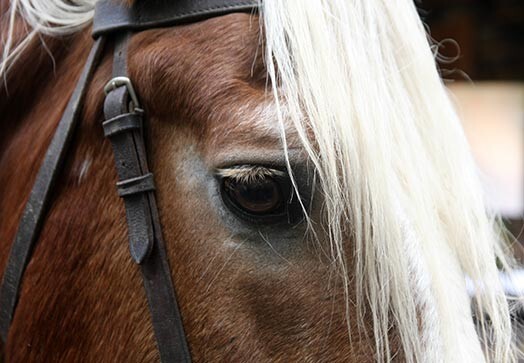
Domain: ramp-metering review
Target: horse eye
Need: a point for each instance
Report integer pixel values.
(257, 197)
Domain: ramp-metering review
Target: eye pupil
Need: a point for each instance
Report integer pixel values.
(256, 197)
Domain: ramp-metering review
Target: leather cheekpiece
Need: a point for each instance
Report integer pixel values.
(136, 187)
(127, 160)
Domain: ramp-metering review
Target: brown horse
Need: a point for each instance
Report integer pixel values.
(242, 297)
(247, 290)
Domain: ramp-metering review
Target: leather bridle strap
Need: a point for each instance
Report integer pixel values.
(124, 128)
(111, 16)
(36, 206)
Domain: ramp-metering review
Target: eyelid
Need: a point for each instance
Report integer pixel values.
(249, 172)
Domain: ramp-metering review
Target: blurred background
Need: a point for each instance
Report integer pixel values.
(481, 47)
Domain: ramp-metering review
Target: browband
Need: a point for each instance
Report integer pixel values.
(111, 16)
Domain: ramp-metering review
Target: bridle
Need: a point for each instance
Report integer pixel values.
(124, 123)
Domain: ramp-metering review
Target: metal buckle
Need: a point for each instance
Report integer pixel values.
(123, 81)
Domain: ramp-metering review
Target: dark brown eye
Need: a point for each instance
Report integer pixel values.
(260, 196)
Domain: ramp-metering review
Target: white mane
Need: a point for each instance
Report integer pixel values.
(396, 170)
(360, 78)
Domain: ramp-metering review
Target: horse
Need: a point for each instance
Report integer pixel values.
(318, 199)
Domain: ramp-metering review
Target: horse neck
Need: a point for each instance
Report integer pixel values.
(33, 94)
(80, 250)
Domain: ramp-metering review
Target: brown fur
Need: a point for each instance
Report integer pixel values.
(82, 297)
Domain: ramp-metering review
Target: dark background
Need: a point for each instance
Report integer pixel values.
(490, 34)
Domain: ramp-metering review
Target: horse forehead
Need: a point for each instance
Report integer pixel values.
(211, 74)
(201, 63)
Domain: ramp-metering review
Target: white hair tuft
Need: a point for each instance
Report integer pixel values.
(51, 17)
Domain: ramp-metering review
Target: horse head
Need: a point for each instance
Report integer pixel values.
(317, 198)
